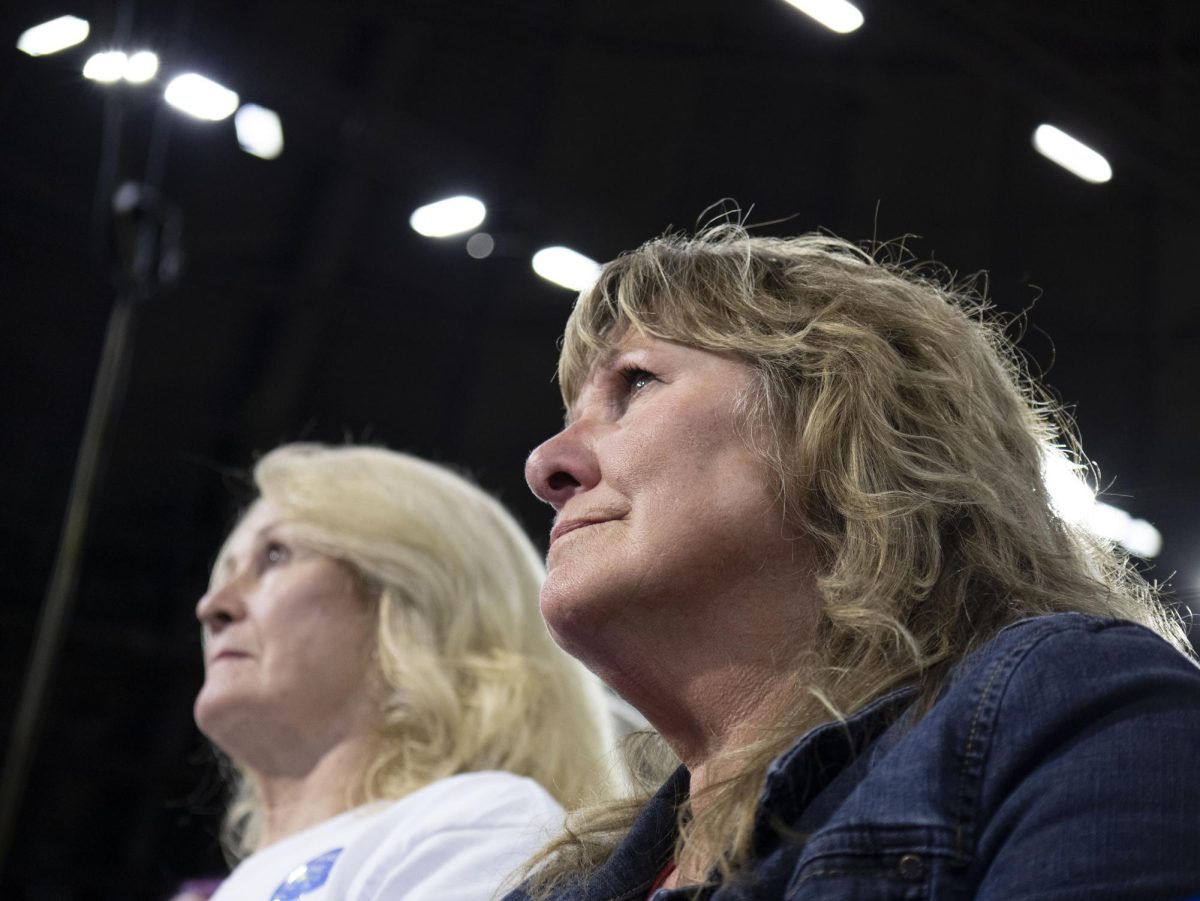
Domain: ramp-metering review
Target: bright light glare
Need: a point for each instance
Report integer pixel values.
(836, 15)
(1076, 503)
(259, 131)
(1071, 496)
(451, 216)
(50, 37)
(1142, 539)
(200, 97)
(141, 67)
(105, 67)
(565, 267)
(1073, 155)
(113, 65)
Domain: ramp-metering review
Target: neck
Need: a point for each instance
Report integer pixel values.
(728, 709)
(296, 797)
(707, 753)
(710, 685)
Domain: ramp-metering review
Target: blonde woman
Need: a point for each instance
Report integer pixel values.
(801, 524)
(398, 721)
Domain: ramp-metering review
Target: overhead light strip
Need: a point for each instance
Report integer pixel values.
(1072, 154)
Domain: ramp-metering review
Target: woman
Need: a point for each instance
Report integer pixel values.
(802, 526)
(399, 723)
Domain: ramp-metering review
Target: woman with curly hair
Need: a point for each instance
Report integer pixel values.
(802, 524)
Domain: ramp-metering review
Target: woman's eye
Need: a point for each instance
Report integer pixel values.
(275, 553)
(637, 379)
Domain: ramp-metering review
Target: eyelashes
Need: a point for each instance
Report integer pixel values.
(275, 553)
(636, 378)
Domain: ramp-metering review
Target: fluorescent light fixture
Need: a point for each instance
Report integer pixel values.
(50, 37)
(1142, 539)
(105, 67)
(141, 67)
(566, 267)
(836, 15)
(451, 216)
(1070, 494)
(1072, 154)
(1076, 503)
(200, 97)
(259, 131)
(113, 65)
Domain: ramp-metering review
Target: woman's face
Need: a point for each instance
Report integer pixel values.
(288, 640)
(666, 522)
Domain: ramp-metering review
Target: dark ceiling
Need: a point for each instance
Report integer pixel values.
(309, 309)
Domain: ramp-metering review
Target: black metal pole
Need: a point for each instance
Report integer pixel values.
(107, 392)
(146, 240)
(146, 237)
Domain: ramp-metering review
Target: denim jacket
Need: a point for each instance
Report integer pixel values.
(1062, 761)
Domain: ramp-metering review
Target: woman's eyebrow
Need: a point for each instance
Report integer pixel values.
(269, 527)
(228, 561)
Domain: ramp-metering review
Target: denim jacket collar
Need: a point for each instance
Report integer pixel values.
(806, 783)
(829, 759)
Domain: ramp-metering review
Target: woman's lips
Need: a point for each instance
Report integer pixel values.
(227, 655)
(573, 525)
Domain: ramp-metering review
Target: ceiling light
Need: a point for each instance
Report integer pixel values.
(1076, 503)
(451, 216)
(566, 267)
(1070, 494)
(1136, 536)
(1072, 154)
(141, 67)
(200, 97)
(259, 131)
(50, 37)
(105, 67)
(1142, 539)
(836, 15)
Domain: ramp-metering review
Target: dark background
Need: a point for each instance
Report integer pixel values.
(309, 309)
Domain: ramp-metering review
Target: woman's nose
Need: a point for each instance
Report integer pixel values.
(563, 466)
(221, 605)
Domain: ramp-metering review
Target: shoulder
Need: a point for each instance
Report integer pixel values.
(480, 800)
(458, 837)
(1057, 762)
(301, 863)
(1041, 676)
(1064, 658)
(1082, 731)
(1074, 629)
(1052, 709)
(1039, 669)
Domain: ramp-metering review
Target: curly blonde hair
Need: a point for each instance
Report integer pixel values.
(471, 678)
(908, 442)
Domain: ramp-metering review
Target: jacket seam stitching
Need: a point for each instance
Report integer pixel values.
(1005, 666)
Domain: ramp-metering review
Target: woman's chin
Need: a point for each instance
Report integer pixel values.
(583, 630)
(217, 716)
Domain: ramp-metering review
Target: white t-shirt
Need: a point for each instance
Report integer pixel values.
(456, 839)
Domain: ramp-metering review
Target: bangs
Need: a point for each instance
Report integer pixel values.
(691, 291)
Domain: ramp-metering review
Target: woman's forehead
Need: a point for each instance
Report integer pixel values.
(260, 519)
